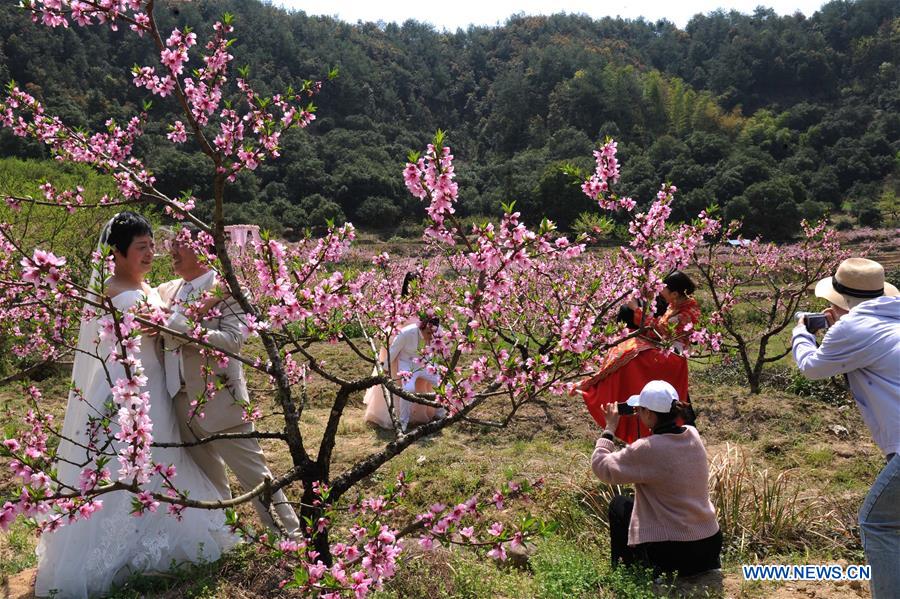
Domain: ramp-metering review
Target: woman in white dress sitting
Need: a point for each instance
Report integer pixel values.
(404, 356)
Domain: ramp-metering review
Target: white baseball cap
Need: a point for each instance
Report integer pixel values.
(656, 396)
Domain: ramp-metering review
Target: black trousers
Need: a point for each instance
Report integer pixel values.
(683, 557)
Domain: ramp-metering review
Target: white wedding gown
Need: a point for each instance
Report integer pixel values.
(86, 558)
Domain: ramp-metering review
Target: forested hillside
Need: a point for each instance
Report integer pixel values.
(773, 118)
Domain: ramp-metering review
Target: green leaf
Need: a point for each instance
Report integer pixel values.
(228, 18)
(301, 577)
(549, 528)
(148, 104)
(576, 173)
(333, 73)
(546, 226)
(439, 139)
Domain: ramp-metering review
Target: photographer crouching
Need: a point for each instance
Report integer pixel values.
(862, 340)
(670, 525)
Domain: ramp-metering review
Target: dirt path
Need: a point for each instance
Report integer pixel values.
(19, 585)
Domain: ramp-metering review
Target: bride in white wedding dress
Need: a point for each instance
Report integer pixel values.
(85, 558)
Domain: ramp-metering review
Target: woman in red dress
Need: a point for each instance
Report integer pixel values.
(655, 355)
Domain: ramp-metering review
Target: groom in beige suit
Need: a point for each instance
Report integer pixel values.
(223, 413)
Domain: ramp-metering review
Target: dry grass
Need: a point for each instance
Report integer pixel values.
(763, 511)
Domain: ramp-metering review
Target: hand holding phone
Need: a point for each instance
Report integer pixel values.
(815, 322)
(624, 409)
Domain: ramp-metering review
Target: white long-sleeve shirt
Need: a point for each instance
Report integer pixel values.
(865, 345)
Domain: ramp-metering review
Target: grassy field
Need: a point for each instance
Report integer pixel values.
(789, 473)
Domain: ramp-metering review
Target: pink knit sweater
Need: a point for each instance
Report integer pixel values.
(671, 489)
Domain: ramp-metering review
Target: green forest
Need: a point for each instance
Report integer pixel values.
(772, 118)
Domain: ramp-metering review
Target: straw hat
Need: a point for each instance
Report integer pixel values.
(855, 281)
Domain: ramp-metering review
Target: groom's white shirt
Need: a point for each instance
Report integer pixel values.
(188, 290)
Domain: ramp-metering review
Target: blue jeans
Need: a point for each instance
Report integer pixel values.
(879, 527)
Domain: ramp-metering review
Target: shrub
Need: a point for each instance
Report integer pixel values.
(831, 391)
(378, 213)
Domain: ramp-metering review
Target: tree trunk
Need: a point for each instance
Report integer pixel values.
(309, 517)
(753, 379)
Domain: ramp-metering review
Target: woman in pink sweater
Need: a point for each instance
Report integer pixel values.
(670, 524)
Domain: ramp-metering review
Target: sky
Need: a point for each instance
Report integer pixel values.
(461, 13)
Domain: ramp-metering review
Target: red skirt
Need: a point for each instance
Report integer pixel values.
(649, 365)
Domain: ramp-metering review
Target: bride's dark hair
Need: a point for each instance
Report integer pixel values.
(124, 227)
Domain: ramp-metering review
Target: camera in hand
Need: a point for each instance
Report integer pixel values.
(624, 409)
(815, 321)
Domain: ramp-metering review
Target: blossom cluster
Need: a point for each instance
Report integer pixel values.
(430, 178)
(109, 151)
(606, 174)
(56, 13)
(370, 554)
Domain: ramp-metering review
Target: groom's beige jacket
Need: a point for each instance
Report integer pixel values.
(225, 409)
(224, 413)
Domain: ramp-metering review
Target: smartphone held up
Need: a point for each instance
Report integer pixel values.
(814, 321)
(624, 409)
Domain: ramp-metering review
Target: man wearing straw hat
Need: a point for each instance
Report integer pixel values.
(863, 342)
